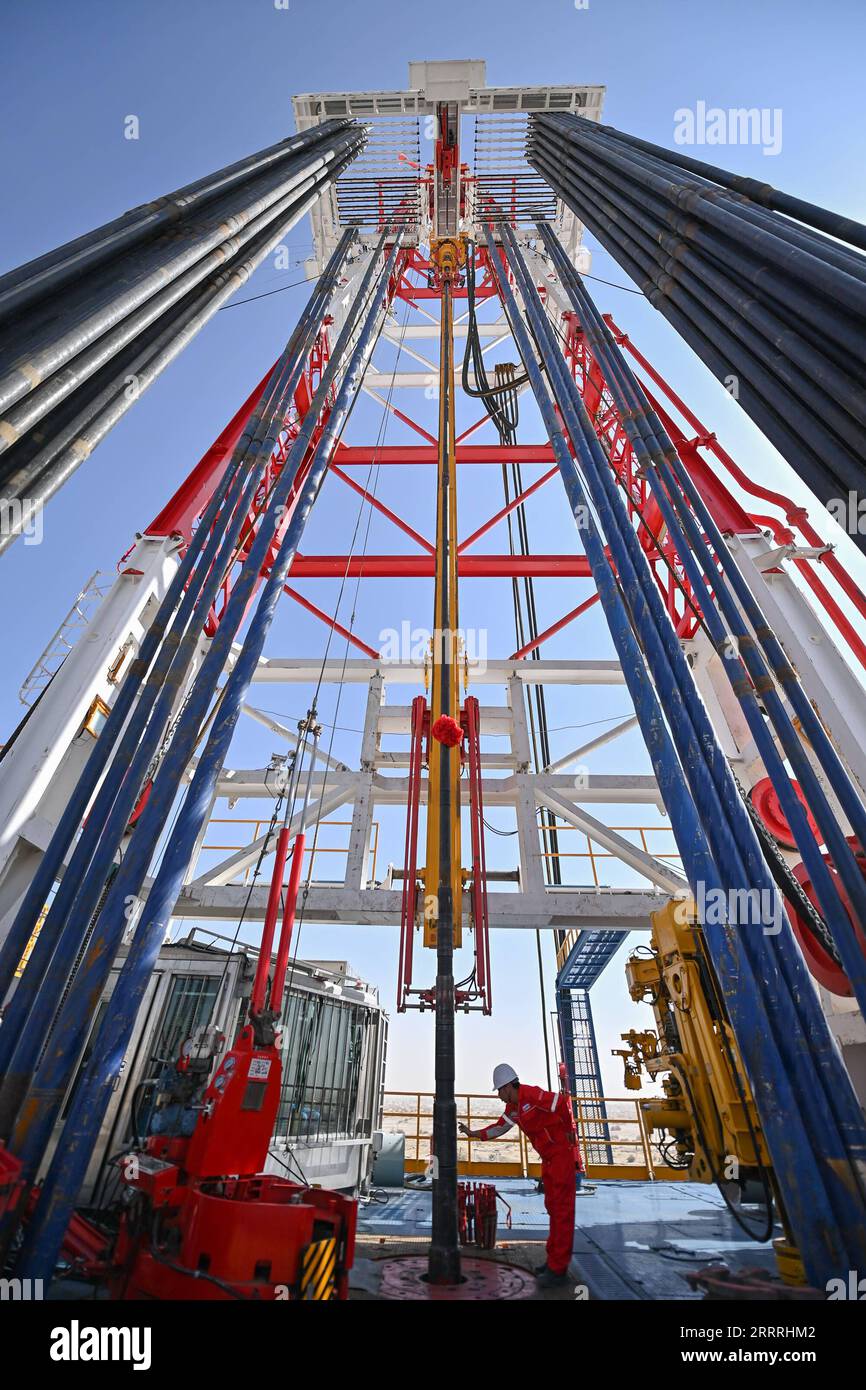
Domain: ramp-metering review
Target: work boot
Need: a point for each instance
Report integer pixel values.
(546, 1279)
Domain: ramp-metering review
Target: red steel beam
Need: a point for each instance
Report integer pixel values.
(556, 627)
(415, 292)
(413, 424)
(398, 455)
(386, 511)
(506, 511)
(794, 514)
(423, 566)
(331, 622)
(196, 490)
(481, 421)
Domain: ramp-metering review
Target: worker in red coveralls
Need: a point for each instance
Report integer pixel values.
(545, 1118)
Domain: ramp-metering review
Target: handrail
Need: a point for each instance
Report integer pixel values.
(795, 515)
(592, 855)
(510, 1155)
(312, 850)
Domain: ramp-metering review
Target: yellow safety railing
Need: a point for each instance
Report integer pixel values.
(563, 950)
(594, 855)
(309, 853)
(613, 1144)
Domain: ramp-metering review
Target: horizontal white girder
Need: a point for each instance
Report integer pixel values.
(556, 910)
(305, 671)
(613, 788)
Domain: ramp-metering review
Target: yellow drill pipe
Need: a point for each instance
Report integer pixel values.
(443, 792)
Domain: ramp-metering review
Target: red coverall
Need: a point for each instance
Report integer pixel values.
(545, 1119)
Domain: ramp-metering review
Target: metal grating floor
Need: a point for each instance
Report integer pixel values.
(633, 1240)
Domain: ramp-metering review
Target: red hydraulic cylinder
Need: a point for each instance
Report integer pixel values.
(479, 863)
(288, 924)
(257, 998)
(410, 877)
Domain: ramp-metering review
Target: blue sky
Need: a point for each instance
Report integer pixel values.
(212, 80)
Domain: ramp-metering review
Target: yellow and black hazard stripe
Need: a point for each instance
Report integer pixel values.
(319, 1270)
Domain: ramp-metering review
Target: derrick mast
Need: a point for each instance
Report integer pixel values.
(714, 610)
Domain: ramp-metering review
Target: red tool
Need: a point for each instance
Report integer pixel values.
(476, 1214)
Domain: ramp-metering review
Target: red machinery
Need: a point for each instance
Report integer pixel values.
(203, 1221)
(10, 1180)
(476, 1214)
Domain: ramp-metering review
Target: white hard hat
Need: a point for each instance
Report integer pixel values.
(502, 1075)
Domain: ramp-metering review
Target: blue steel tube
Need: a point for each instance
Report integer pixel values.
(728, 827)
(654, 450)
(35, 1001)
(808, 1205)
(687, 716)
(236, 482)
(37, 1110)
(825, 752)
(669, 641)
(51, 862)
(812, 449)
(749, 866)
(711, 600)
(48, 1224)
(841, 929)
(851, 1121)
(83, 882)
(784, 672)
(842, 1101)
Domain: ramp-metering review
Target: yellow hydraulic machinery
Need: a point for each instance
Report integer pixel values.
(705, 1122)
(642, 1048)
